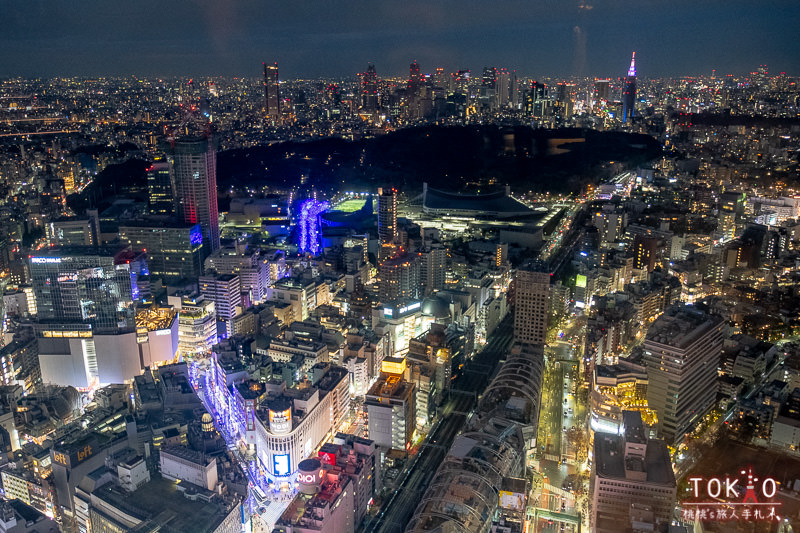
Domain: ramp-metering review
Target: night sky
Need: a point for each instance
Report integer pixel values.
(311, 38)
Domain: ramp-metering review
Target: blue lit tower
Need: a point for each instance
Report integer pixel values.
(629, 93)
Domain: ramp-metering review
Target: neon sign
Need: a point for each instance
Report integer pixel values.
(310, 478)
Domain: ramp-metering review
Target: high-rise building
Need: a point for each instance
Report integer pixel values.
(391, 412)
(440, 79)
(629, 92)
(20, 360)
(601, 91)
(369, 90)
(538, 100)
(532, 288)
(86, 326)
(564, 99)
(417, 101)
(194, 170)
(399, 278)
(681, 352)
(160, 189)
(174, 250)
(85, 285)
(248, 263)
(489, 78)
(433, 268)
(488, 93)
(504, 87)
(197, 323)
(272, 95)
(645, 252)
(460, 81)
(225, 290)
(414, 80)
(631, 473)
(387, 216)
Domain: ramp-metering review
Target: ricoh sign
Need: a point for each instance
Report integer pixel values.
(742, 498)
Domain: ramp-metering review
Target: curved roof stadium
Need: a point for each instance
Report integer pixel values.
(465, 491)
(496, 205)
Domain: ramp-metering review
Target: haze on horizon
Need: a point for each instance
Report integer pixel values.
(337, 38)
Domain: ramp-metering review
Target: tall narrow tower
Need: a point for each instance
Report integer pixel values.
(387, 216)
(194, 168)
(414, 79)
(629, 93)
(369, 90)
(272, 97)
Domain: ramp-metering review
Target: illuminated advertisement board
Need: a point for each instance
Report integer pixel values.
(280, 464)
(328, 457)
(513, 501)
(393, 366)
(398, 312)
(280, 421)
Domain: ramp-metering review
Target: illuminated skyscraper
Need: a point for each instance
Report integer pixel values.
(460, 81)
(86, 325)
(225, 290)
(174, 249)
(85, 285)
(629, 93)
(387, 216)
(272, 95)
(682, 351)
(601, 88)
(369, 90)
(488, 93)
(414, 80)
(530, 314)
(538, 100)
(441, 79)
(504, 87)
(160, 190)
(194, 169)
(399, 278)
(564, 99)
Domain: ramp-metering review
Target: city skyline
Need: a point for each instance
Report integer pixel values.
(400, 267)
(317, 40)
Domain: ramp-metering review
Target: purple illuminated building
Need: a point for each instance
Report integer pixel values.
(629, 93)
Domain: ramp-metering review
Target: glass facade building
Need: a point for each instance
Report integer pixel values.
(86, 285)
